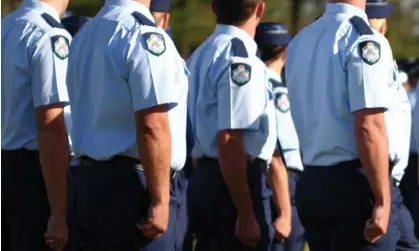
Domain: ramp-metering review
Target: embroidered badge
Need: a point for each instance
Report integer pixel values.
(155, 43)
(241, 73)
(282, 102)
(60, 46)
(370, 52)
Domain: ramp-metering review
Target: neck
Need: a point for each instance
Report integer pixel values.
(57, 5)
(249, 28)
(144, 2)
(276, 66)
(357, 3)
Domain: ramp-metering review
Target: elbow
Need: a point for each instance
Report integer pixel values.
(56, 136)
(370, 127)
(229, 139)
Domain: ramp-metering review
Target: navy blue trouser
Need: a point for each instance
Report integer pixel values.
(25, 207)
(111, 197)
(334, 203)
(410, 189)
(212, 212)
(296, 240)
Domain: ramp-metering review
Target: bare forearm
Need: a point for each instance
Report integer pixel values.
(278, 180)
(54, 157)
(233, 164)
(155, 151)
(373, 152)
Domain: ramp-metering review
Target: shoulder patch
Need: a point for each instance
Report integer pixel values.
(361, 26)
(239, 48)
(143, 19)
(60, 46)
(156, 44)
(282, 102)
(370, 51)
(51, 21)
(276, 83)
(241, 73)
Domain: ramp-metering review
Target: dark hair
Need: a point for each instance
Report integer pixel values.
(269, 53)
(234, 12)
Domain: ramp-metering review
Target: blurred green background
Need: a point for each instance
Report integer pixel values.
(192, 20)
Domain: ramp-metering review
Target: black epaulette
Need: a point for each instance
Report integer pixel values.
(239, 48)
(51, 21)
(276, 83)
(143, 19)
(361, 26)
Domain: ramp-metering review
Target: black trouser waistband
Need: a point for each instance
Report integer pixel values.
(117, 160)
(255, 162)
(355, 163)
(20, 153)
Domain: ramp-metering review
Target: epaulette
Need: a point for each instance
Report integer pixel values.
(143, 19)
(51, 21)
(239, 48)
(276, 84)
(361, 26)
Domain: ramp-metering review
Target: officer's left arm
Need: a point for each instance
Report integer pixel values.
(278, 181)
(49, 69)
(241, 99)
(368, 69)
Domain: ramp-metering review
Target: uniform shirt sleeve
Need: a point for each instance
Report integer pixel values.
(369, 72)
(241, 94)
(152, 68)
(49, 67)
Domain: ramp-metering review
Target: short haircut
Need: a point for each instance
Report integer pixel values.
(270, 53)
(234, 12)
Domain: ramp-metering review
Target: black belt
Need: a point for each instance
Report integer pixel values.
(85, 160)
(251, 162)
(358, 163)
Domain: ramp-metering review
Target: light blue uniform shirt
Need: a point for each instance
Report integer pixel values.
(332, 71)
(416, 121)
(400, 116)
(118, 66)
(287, 136)
(219, 97)
(33, 71)
(411, 94)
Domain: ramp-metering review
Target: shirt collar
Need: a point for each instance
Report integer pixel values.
(43, 7)
(237, 32)
(135, 6)
(336, 8)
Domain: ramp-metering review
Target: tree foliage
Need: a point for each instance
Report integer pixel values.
(192, 21)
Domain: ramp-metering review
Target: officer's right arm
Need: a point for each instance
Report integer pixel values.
(239, 109)
(49, 96)
(369, 97)
(153, 94)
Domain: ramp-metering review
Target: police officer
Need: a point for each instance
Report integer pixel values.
(272, 40)
(35, 148)
(129, 118)
(378, 11)
(232, 115)
(341, 85)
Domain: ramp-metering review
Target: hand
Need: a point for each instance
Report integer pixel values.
(247, 230)
(56, 236)
(282, 226)
(378, 224)
(157, 222)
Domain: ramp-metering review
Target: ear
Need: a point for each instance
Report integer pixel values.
(213, 7)
(284, 54)
(260, 10)
(165, 21)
